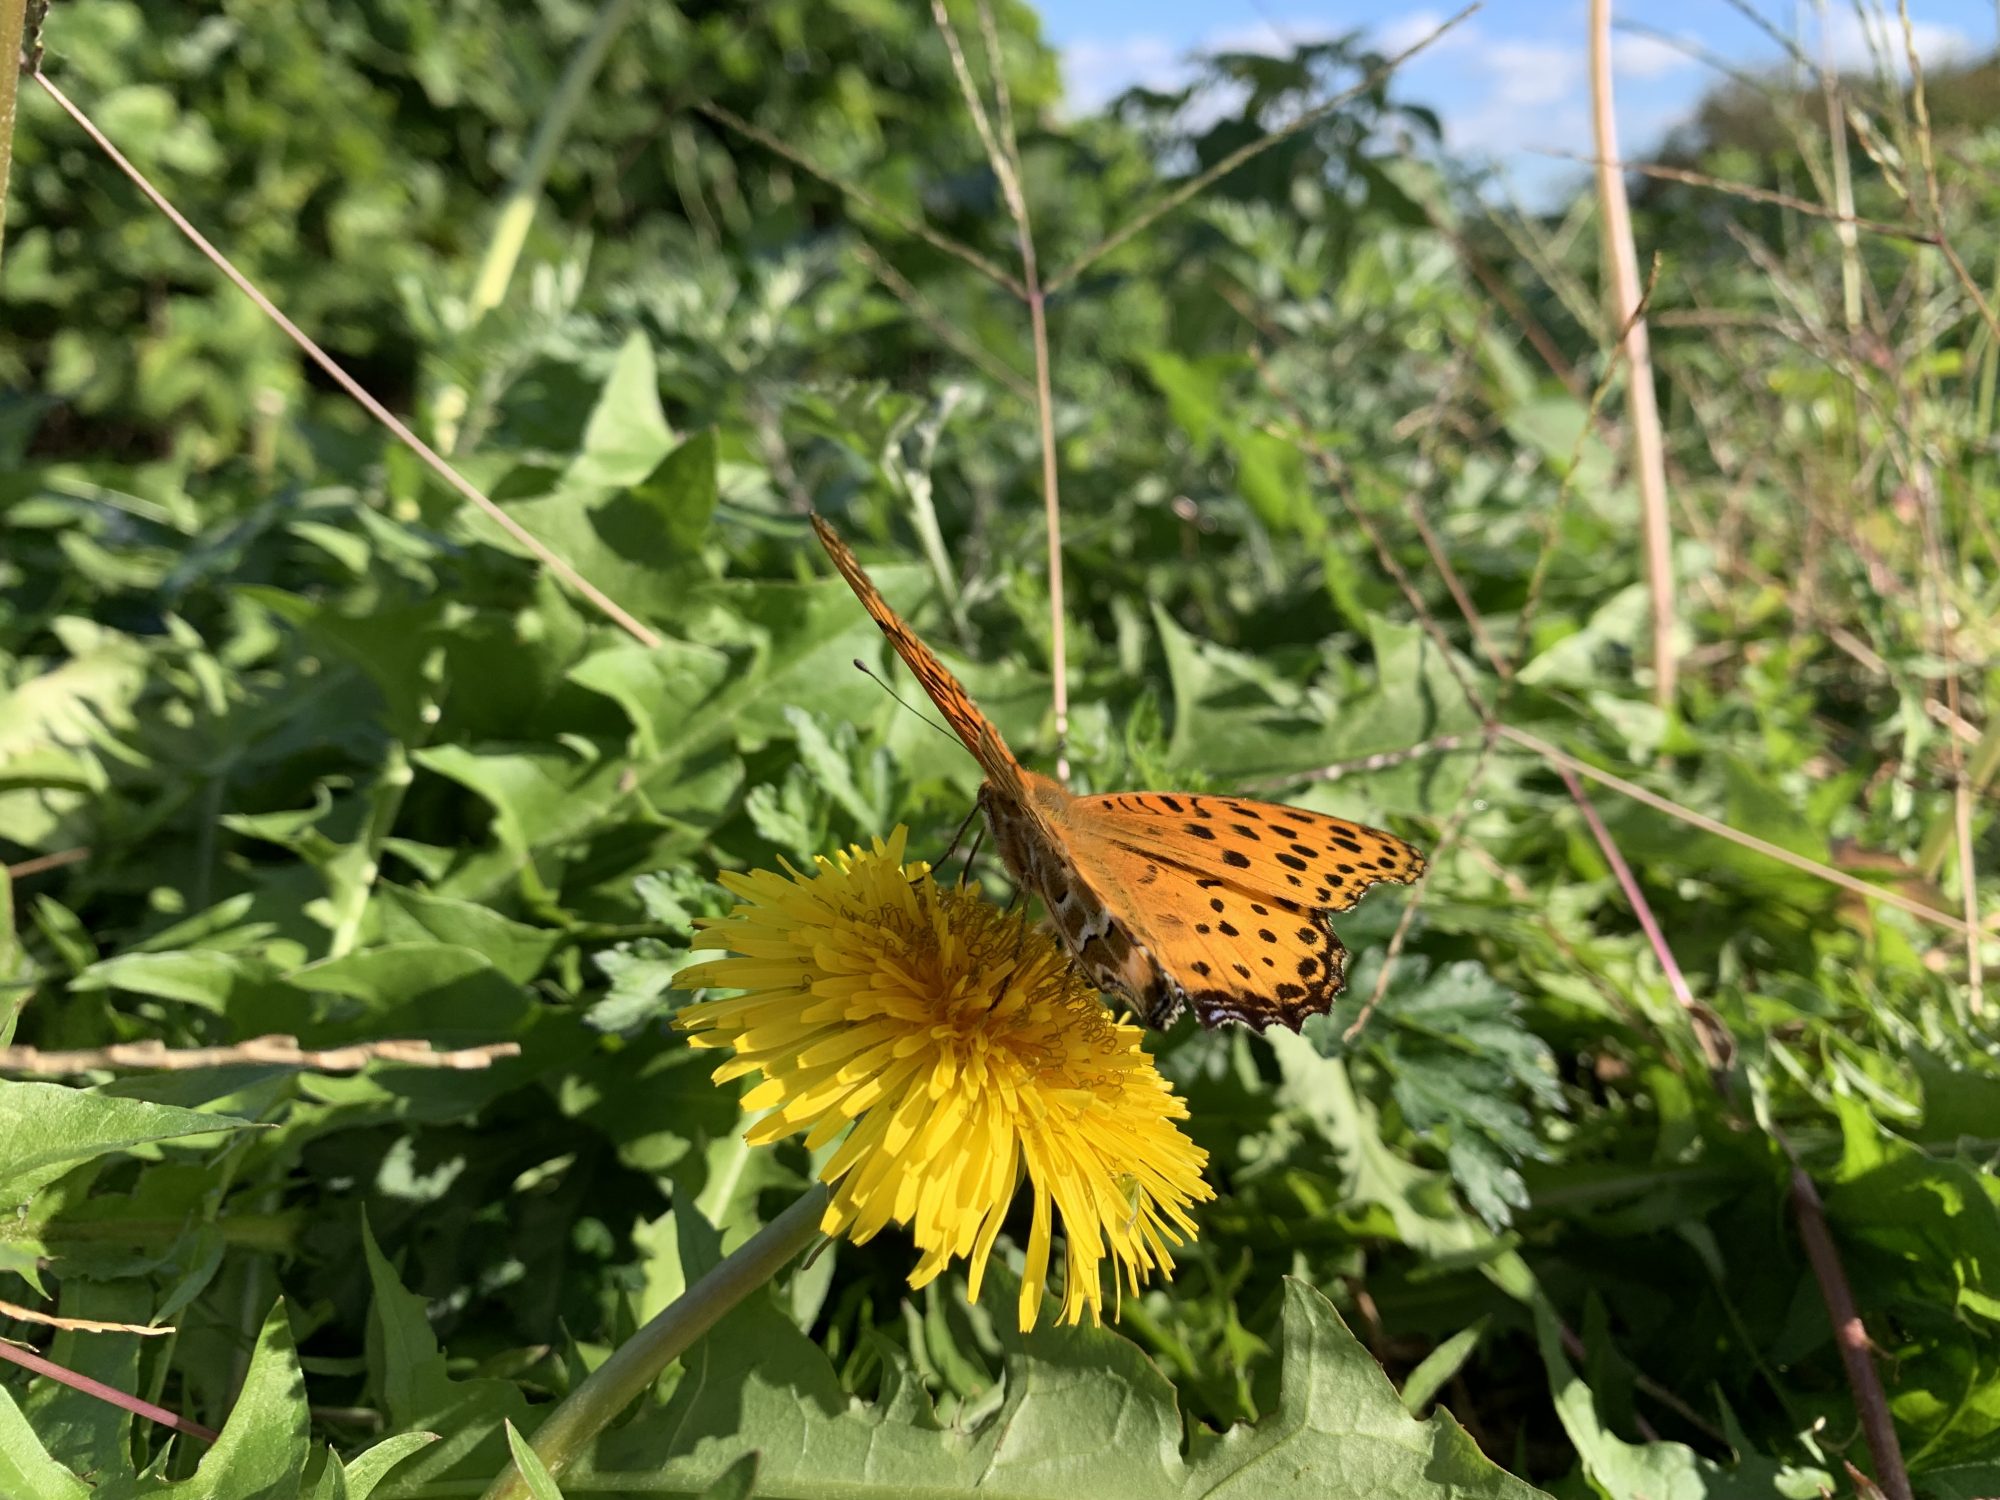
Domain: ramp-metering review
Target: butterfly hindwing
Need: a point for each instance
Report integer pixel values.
(1229, 899)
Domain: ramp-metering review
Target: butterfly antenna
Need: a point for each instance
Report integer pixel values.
(866, 671)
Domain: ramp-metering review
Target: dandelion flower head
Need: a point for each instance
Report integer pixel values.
(963, 1052)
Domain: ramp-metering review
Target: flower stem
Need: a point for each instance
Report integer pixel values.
(629, 1372)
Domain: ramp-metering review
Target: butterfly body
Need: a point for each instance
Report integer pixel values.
(1174, 899)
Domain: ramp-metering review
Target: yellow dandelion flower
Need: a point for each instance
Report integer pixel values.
(964, 1052)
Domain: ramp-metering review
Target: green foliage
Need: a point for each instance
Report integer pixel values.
(294, 740)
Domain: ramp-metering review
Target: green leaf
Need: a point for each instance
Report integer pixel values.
(439, 990)
(737, 1482)
(15, 968)
(1460, 1061)
(408, 1374)
(1644, 1471)
(627, 434)
(367, 1470)
(666, 691)
(1194, 391)
(1419, 1204)
(682, 493)
(26, 1470)
(534, 1472)
(1272, 475)
(540, 795)
(1437, 1367)
(1921, 1237)
(202, 977)
(1084, 1412)
(262, 1451)
(50, 723)
(1338, 1414)
(49, 1129)
(405, 916)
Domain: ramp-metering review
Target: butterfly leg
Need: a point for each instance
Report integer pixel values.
(1020, 941)
(965, 871)
(951, 848)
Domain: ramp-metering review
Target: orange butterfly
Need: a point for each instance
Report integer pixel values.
(1172, 898)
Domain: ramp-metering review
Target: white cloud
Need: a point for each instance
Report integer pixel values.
(1854, 43)
(1406, 31)
(1096, 72)
(1271, 38)
(1636, 55)
(1531, 75)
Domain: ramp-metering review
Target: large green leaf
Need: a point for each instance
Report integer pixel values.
(46, 1129)
(1084, 1413)
(262, 1451)
(408, 1373)
(26, 1470)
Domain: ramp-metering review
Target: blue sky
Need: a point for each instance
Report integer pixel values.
(1510, 82)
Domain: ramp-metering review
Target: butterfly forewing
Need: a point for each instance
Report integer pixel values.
(945, 690)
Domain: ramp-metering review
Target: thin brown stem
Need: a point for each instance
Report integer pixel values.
(13, 32)
(1641, 403)
(900, 287)
(1713, 1050)
(28, 1360)
(860, 195)
(1849, 1332)
(549, 559)
(1058, 643)
(1920, 108)
(1004, 155)
(82, 1325)
(1500, 291)
(1382, 760)
(1753, 194)
(280, 1051)
(1559, 760)
(43, 862)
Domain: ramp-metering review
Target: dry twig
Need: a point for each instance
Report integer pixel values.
(80, 1325)
(280, 1051)
(1642, 406)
